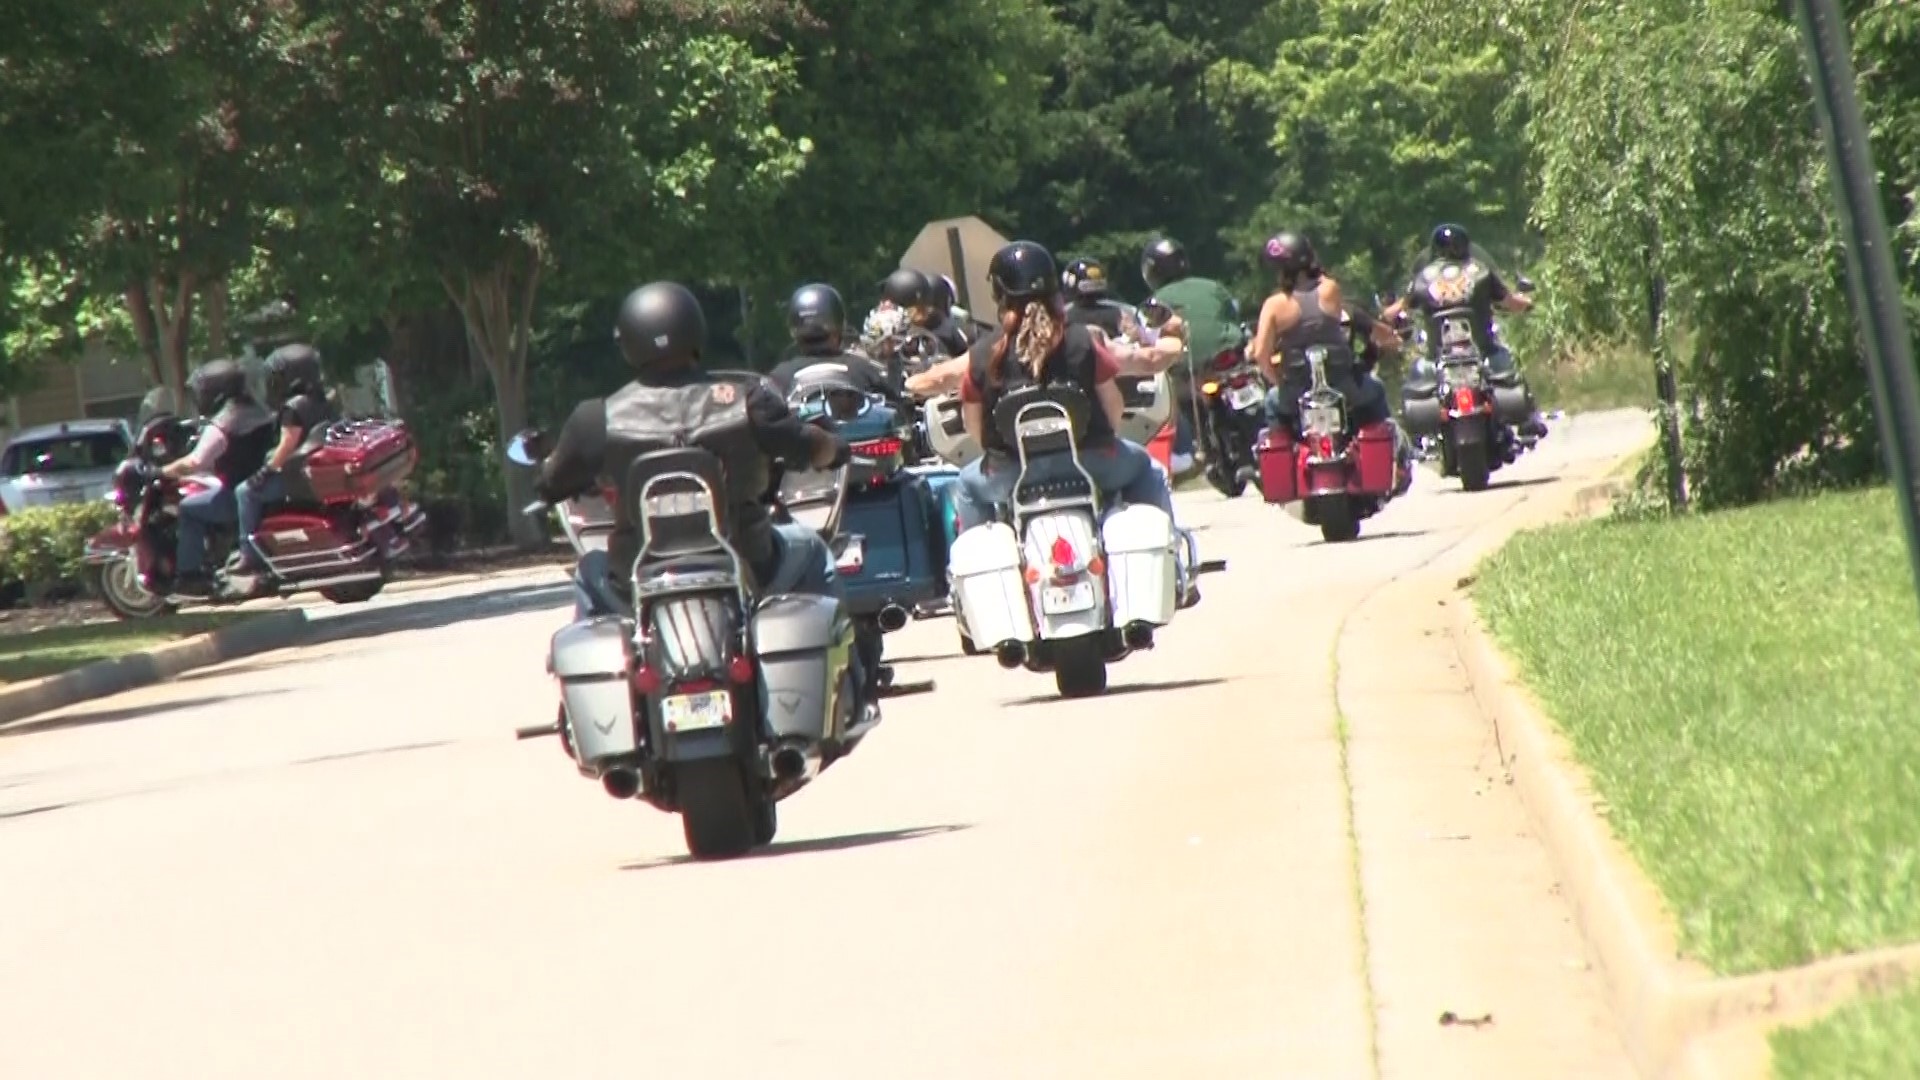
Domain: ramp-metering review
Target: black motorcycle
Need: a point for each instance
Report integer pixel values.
(1233, 397)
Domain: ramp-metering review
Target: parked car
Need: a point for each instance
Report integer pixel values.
(68, 462)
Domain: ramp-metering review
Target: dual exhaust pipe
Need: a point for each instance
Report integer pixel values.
(892, 617)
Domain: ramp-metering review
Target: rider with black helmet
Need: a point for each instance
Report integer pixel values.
(297, 395)
(817, 319)
(1455, 277)
(1088, 302)
(233, 443)
(918, 295)
(1036, 345)
(1212, 319)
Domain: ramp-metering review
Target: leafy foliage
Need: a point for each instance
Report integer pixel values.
(42, 546)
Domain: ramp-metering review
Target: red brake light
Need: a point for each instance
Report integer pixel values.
(1227, 359)
(1062, 552)
(740, 669)
(1326, 446)
(1463, 399)
(646, 681)
(877, 448)
(611, 495)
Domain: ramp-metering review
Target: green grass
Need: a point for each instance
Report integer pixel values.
(39, 653)
(1867, 1040)
(1592, 379)
(1745, 689)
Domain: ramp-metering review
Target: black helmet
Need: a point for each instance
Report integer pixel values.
(1163, 263)
(215, 383)
(1023, 272)
(1451, 242)
(944, 294)
(1085, 277)
(816, 313)
(1288, 253)
(660, 322)
(907, 288)
(293, 370)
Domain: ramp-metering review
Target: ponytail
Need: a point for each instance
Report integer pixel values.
(1033, 332)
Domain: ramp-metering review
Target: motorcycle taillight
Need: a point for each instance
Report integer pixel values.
(1230, 358)
(1463, 399)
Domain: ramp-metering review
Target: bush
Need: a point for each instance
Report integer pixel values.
(41, 547)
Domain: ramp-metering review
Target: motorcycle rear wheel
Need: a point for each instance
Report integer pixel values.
(1080, 667)
(1338, 523)
(1470, 462)
(715, 814)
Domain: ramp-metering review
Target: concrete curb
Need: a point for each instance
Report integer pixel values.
(260, 633)
(1676, 1017)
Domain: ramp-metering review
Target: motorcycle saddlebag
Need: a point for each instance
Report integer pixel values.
(1140, 547)
(801, 643)
(360, 458)
(1422, 415)
(1373, 458)
(591, 659)
(1510, 405)
(989, 586)
(1279, 474)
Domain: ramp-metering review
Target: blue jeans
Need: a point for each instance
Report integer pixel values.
(198, 513)
(254, 496)
(1120, 467)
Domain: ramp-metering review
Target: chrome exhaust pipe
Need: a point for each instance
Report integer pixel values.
(1138, 635)
(892, 617)
(792, 762)
(621, 783)
(1011, 654)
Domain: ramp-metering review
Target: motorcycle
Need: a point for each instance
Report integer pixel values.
(1233, 410)
(1064, 582)
(708, 695)
(341, 528)
(1470, 414)
(1342, 478)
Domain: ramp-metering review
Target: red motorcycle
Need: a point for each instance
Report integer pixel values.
(1342, 478)
(338, 532)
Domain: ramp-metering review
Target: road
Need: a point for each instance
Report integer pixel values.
(1278, 847)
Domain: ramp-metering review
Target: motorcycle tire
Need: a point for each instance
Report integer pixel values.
(1080, 668)
(358, 593)
(716, 815)
(1339, 525)
(967, 647)
(1232, 486)
(117, 584)
(766, 819)
(1470, 463)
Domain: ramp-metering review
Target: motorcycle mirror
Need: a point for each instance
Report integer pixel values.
(525, 448)
(1523, 284)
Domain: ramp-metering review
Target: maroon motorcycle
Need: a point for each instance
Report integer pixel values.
(338, 532)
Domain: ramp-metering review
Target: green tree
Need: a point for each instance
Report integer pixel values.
(483, 147)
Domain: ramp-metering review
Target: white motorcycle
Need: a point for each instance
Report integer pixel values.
(1066, 583)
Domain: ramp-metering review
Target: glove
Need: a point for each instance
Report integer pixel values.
(842, 453)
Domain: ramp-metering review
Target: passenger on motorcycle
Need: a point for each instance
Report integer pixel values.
(946, 307)
(817, 319)
(1455, 278)
(1213, 326)
(1035, 345)
(1088, 302)
(915, 293)
(233, 443)
(297, 394)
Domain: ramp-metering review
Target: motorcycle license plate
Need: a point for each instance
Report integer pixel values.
(852, 557)
(1066, 599)
(1243, 397)
(696, 712)
(1321, 418)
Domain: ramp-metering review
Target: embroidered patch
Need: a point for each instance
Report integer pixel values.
(725, 393)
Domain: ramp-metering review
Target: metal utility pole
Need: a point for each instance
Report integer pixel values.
(1871, 279)
(1666, 387)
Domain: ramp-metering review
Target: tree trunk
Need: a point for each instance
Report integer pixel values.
(496, 304)
(217, 317)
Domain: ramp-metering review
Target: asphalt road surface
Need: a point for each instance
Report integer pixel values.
(1278, 847)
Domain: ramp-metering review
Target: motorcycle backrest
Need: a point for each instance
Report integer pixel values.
(677, 499)
(1149, 406)
(1049, 419)
(947, 432)
(816, 498)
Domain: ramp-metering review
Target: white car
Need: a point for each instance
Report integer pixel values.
(68, 462)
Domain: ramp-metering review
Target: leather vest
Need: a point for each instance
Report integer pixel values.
(710, 413)
(251, 435)
(1072, 363)
(1457, 298)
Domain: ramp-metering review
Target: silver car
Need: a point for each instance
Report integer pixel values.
(68, 462)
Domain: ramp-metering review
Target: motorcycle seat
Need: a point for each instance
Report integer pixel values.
(1066, 487)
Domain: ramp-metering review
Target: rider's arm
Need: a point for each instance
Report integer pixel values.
(944, 377)
(290, 437)
(973, 410)
(783, 435)
(1260, 350)
(206, 450)
(578, 453)
(1105, 369)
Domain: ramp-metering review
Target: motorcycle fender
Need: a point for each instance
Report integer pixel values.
(590, 658)
(802, 644)
(1141, 552)
(1510, 405)
(1079, 530)
(111, 544)
(988, 585)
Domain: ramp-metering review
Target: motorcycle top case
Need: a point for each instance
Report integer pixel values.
(989, 586)
(1140, 548)
(359, 459)
(591, 659)
(802, 644)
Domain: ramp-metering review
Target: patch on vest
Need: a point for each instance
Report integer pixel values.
(725, 393)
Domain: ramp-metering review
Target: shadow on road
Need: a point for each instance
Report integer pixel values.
(407, 616)
(1531, 481)
(927, 658)
(131, 712)
(376, 751)
(802, 847)
(1117, 691)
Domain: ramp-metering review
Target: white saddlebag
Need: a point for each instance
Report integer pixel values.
(989, 586)
(1141, 565)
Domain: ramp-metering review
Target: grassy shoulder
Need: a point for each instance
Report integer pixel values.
(1601, 377)
(1742, 687)
(50, 651)
(1867, 1040)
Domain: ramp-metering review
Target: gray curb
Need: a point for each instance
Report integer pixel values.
(260, 633)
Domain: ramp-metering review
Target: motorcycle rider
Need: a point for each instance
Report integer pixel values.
(1453, 277)
(1306, 309)
(817, 320)
(913, 292)
(1087, 298)
(946, 305)
(297, 395)
(233, 443)
(672, 400)
(1213, 326)
(943, 318)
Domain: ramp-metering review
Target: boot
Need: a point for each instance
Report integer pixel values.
(190, 587)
